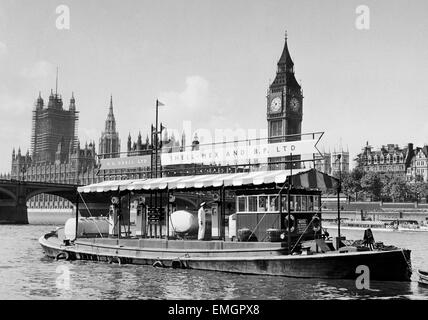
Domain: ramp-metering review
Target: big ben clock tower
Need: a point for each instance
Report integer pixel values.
(284, 108)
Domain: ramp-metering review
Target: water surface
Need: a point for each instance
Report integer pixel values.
(25, 273)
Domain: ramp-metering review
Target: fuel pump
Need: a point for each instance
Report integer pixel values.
(141, 222)
(113, 217)
(215, 216)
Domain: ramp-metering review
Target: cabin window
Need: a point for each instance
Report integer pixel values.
(298, 203)
(242, 204)
(263, 203)
(292, 203)
(273, 203)
(252, 204)
(316, 203)
(284, 203)
(310, 203)
(304, 203)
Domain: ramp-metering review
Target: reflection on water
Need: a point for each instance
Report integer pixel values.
(26, 274)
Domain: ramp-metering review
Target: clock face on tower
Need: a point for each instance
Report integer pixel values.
(294, 104)
(275, 105)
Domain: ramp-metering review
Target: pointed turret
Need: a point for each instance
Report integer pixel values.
(139, 142)
(129, 142)
(110, 125)
(147, 141)
(55, 101)
(109, 145)
(51, 102)
(285, 69)
(285, 62)
(183, 141)
(39, 102)
(72, 106)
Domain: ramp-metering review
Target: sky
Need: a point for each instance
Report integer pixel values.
(210, 63)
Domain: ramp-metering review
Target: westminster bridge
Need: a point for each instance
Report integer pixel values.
(14, 195)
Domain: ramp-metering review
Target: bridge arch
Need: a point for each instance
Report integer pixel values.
(14, 196)
(64, 193)
(8, 192)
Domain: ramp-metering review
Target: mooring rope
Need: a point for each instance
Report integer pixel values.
(409, 264)
(99, 231)
(172, 225)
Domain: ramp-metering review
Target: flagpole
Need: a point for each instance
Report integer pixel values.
(290, 186)
(156, 140)
(156, 163)
(339, 189)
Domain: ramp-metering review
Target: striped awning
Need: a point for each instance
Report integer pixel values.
(314, 179)
(311, 179)
(105, 186)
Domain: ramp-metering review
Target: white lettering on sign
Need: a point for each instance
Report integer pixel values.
(243, 154)
(122, 163)
(301, 225)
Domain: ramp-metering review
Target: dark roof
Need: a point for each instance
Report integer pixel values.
(285, 72)
(285, 56)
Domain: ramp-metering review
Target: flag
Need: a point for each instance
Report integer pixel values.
(160, 104)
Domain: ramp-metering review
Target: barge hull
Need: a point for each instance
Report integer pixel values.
(391, 265)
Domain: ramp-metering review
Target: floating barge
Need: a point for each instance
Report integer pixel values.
(380, 226)
(275, 228)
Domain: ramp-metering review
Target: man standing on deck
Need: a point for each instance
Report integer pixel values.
(201, 221)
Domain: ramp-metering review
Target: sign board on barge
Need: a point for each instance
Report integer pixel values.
(236, 155)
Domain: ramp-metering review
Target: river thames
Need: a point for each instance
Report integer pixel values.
(26, 274)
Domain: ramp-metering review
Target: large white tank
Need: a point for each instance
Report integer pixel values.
(87, 227)
(183, 221)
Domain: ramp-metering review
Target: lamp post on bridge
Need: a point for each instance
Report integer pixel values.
(23, 171)
(339, 189)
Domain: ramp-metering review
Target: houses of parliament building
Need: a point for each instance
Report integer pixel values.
(56, 154)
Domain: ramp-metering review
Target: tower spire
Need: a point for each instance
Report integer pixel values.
(56, 82)
(72, 102)
(110, 121)
(111, 104)
(285, 58)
